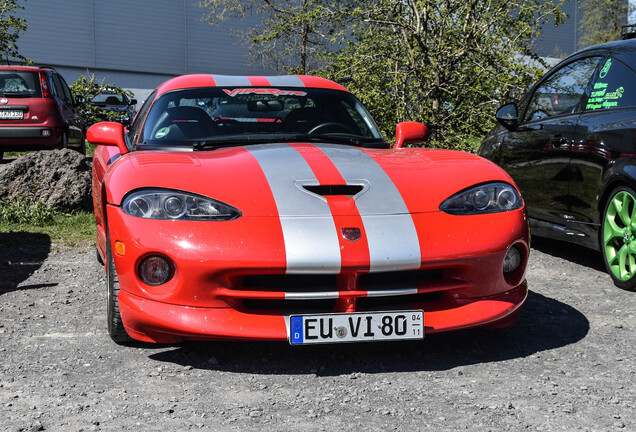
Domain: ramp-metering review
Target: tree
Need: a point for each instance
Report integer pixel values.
(291, 33)
(446, 63)
(602, 21)
(10, 29)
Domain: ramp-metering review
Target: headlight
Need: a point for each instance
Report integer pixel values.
(483, 199)
(169, 204)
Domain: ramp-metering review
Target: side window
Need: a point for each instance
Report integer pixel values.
(136, 127)
(66, 90)
(614, 87)
(562, 92)
(59, 88)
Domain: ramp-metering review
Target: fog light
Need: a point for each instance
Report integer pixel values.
(155, 270)
(46, 132)
(512, 261)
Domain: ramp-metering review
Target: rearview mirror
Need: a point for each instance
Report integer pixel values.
(508, 116)
(410, 133)
(108, 134)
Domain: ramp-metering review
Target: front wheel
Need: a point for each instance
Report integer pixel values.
(618, 237)
(116, 328)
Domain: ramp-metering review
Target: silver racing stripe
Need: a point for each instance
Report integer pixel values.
(231, 81)
(311, 239)
(285, 81)
(391, 233)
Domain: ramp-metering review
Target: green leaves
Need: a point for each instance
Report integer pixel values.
(602, 21)
(10, 29)
(87, 88)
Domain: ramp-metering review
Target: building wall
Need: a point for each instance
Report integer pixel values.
(562, 40)
(135, 44)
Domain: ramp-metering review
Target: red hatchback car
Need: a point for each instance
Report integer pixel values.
(37, 111)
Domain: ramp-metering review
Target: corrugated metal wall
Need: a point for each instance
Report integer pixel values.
(138, 43)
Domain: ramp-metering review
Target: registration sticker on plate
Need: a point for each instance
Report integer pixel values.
(356, 327)
(10, 115)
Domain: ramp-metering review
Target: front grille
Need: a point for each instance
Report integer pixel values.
(320, 293)
(289, 283)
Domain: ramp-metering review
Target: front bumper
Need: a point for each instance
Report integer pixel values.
(153, 321)
(231, 280)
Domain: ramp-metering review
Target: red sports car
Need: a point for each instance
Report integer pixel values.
(271, 208)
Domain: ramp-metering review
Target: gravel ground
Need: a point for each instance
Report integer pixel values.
(568, 364)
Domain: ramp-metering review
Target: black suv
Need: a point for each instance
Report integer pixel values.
(37, 111)
(570, 145)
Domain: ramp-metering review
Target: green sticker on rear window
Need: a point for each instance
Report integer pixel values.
(162, 132)
(606, 68)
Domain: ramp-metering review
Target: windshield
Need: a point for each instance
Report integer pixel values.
(19, 84)
(108, 99)
(213, 117)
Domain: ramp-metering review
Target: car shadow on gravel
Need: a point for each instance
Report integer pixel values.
(544, 324)
(21, 254)
(571, 252)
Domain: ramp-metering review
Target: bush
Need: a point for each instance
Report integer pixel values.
(87, 88)
(25, 212)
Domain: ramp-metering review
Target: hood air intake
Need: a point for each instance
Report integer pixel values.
(327, 190)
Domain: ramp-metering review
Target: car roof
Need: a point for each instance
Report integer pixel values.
(623, 50)
(24, 68)
(243, 81)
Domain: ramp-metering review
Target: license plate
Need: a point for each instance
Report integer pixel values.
(356, 327)
(7, 115)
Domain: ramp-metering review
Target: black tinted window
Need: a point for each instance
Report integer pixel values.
(614, 87)
(562, 92)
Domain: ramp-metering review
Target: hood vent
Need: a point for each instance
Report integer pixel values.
(328, 190)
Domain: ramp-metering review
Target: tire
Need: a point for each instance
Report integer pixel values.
(618, 237)
(98, 256)
(116, 328)
(63, 141)
(82, 145)
(1, 155)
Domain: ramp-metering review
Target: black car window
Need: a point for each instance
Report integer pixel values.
(59, 88)
(614, 87)
(67, 92)
(562, 92)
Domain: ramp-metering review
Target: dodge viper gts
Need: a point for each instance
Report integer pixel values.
(271, 208)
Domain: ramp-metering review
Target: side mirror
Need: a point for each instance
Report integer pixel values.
(508, 116)
(108, 134)
(410, 133)
(132, 102)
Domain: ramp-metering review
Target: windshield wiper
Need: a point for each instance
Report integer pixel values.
(336, 139)
(230, 142)
(15, 94)
(243, 140)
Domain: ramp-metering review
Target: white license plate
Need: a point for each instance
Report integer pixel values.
(356, 327)
(7, 115)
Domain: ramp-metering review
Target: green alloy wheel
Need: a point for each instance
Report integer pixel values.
(618, 237)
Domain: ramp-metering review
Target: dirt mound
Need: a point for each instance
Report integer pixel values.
(61, 179)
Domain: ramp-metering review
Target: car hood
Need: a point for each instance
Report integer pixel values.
(300, 179)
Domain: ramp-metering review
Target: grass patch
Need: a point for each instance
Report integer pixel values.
(35, 217)
(90, 150)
